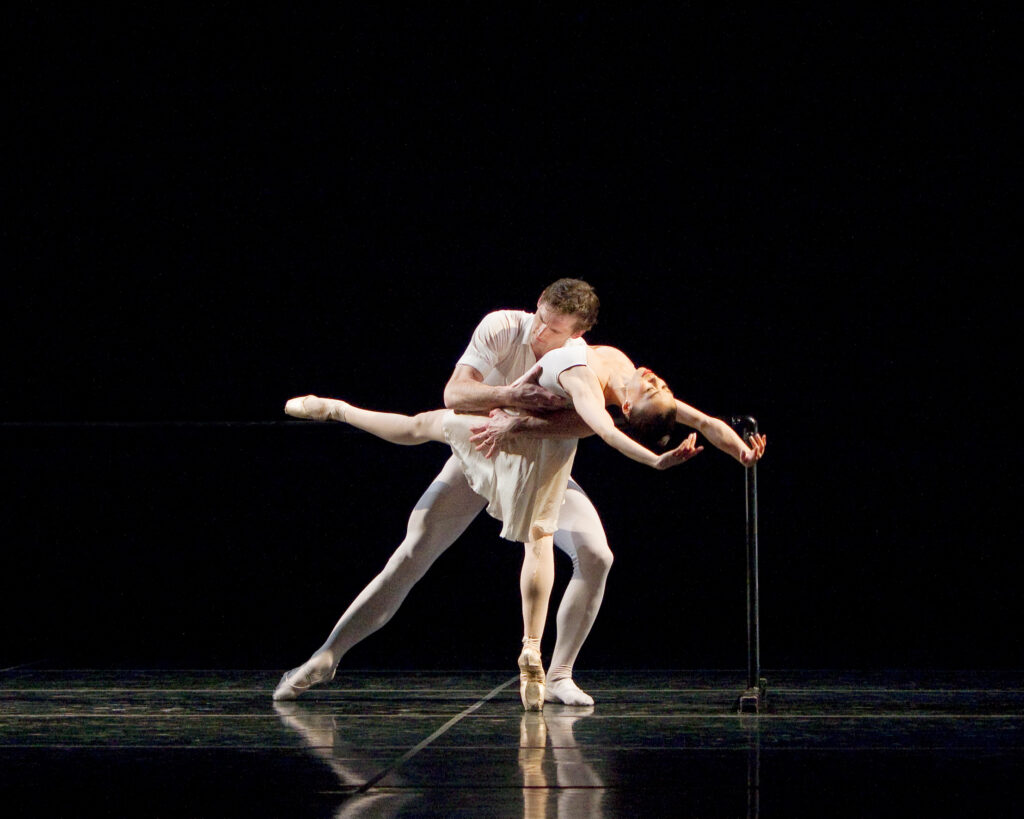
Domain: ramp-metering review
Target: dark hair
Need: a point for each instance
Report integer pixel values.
(652, 425)
(573, 297)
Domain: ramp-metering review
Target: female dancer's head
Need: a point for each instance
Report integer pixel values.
(649, 408)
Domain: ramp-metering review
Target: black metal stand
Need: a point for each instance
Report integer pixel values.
(751, 700)
(753, 728)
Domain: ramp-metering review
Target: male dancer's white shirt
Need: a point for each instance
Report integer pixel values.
(500, 346)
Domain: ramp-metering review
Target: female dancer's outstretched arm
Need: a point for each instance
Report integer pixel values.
(588, 401)
(721, 434)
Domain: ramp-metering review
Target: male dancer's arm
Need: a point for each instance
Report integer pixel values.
(467, 392)
(494, 432)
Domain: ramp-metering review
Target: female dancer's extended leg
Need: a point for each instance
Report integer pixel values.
(407, 430)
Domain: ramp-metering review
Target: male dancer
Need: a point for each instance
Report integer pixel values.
(504, 346)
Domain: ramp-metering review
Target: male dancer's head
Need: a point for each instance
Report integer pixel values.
(566, 309)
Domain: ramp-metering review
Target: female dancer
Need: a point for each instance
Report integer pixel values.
(524, 485)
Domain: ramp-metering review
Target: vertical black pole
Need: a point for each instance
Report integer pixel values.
(753, 769)
(753, 604)
(750, 700)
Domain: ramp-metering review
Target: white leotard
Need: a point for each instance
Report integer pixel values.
(556, 362)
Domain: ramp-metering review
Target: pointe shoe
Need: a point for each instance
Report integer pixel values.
(296, 408)
(315, 408)
(531, 680)
(300, 680)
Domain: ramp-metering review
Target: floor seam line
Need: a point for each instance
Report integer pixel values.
(439, 732)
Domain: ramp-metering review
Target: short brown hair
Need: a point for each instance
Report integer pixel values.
(575, 298)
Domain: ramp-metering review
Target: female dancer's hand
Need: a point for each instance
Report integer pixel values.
(755, 451)
(681, 454)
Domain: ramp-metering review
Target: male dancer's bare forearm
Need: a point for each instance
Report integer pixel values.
(466, 392)
(558, 424)
(467, 395)
(494, 432)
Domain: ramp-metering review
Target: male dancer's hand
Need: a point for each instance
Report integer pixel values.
(681, 454)
(490, 437)
(527, 393)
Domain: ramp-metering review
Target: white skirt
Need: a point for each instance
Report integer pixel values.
(524, 488)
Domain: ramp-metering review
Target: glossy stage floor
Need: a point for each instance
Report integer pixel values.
(657, 743)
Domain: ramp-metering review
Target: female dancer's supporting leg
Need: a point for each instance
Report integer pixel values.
(535, 584)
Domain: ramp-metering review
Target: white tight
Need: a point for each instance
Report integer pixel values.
(442, 514)
(581, 536)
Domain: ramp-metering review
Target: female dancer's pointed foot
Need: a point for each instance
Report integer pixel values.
(317, 669)
(566, 692)
(531, 679)
(296, 407)
(316, 408)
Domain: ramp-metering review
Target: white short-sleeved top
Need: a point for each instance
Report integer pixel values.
(500, 347)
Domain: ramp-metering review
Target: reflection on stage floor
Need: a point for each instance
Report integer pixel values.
(657, 743)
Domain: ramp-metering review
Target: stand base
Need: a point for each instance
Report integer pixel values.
(752, 699)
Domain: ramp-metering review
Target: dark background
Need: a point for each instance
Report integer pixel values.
(803, 215)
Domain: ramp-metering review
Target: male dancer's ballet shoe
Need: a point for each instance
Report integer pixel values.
(566, 692)
(300, 680)
(531, 679)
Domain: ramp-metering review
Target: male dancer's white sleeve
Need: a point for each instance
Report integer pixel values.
(495, 340)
